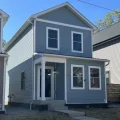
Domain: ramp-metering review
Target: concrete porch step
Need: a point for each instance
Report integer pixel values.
(39, 102)
(72, 113)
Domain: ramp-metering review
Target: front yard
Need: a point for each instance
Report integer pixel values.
(24, 114)
(38, 116)
(102, 114)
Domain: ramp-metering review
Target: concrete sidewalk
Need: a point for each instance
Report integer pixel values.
(76, 115)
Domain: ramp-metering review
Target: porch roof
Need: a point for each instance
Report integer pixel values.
(74, 57)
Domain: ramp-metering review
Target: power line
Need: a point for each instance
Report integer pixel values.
(95, 5)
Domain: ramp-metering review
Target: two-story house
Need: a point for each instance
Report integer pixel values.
(51, 60)
(3, 57)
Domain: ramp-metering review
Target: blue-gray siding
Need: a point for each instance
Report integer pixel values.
(65, 40)
(20, 59)
(64, 15)
(85, 96)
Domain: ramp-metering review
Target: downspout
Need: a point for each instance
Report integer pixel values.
(108, 62)
(33, 24)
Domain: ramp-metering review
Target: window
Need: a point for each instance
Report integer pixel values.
(94, 77)
(77, 42)
(77, 77)
(22, 80)
(107, 77)
(52, 37)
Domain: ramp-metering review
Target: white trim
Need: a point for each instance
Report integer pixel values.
(38, 83)
(63, 24)
(76, 88)
(34, 36)
(72, 32)
(105, 84)
(55, 59)
(91, 44)
(43, 79)
(58, 38)
(69, 6)
(90, 88)
(4, 84)
(82, 58)
(65, 70)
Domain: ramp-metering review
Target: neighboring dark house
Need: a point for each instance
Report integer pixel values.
(3, 57)
(106, 45)
(50, 60)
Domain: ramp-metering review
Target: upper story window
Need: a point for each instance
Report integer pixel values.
(94, 77)
(52, 38)
(77, 42)
(77, 77)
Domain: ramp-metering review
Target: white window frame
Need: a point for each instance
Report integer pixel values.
(58, 42)
(91, 88)
(72, 32)
(81, 66)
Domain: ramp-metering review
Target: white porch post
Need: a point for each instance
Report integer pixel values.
(43, 78)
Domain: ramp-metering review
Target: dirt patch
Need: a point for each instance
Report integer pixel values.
(102, 114)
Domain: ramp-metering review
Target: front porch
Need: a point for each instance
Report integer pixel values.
(49, 79)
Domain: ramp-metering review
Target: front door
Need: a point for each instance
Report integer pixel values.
(49, 83)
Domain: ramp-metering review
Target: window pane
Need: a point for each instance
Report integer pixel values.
(77, 77)
(76, 37)
(95, 83)
(94, 72)
(52, 33)
(77, 81)
(77, 72)
(77, 46)
(52, 43)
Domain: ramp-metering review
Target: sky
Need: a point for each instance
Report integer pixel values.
(20, 10)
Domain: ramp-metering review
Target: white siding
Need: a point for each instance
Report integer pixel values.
(111, 52)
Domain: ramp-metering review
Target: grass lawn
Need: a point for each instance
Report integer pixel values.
(102, 114)
(39, 116)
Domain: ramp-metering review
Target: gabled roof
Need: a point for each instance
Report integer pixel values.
(106, 34)
(66, 4)
(70, 7)
(4, 15)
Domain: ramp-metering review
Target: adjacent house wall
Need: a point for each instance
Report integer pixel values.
(85, 96)
(1, 81)
(0, 35)
(111, 51)
(65, 16)
(20, 59)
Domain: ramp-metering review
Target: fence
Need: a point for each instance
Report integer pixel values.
(113, 92)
